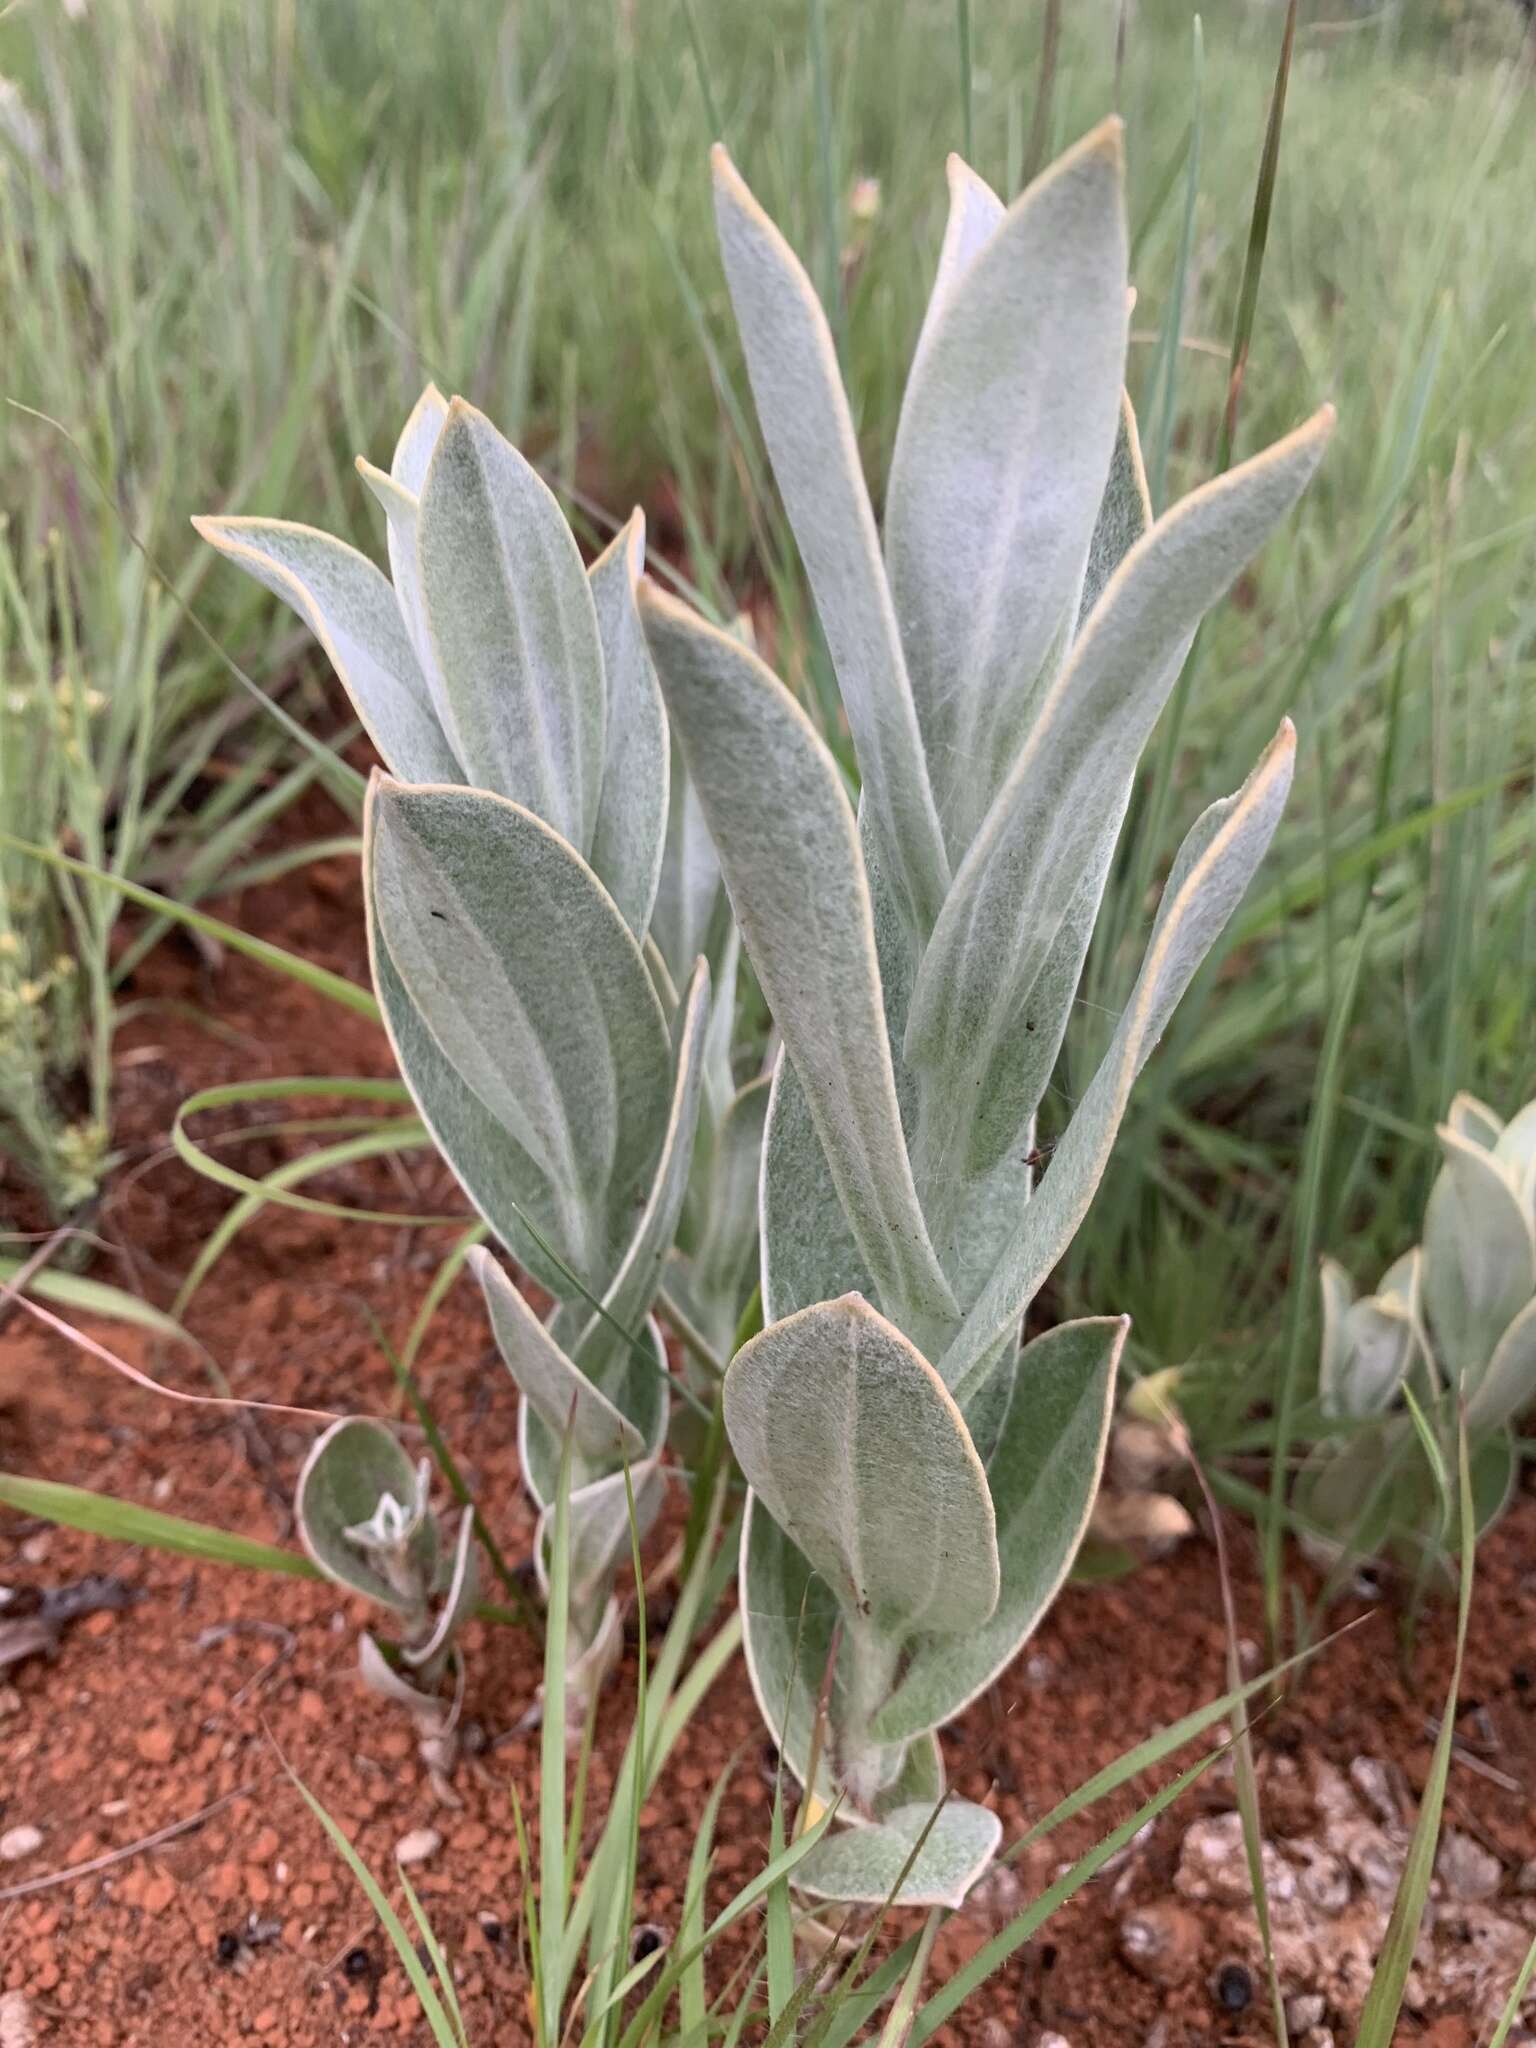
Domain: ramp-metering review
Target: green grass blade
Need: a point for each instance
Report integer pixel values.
(1516, 1999)
(122, 1521)
(92, 1298)
(553, 1902)
(335, 987)
(692, 1998)
(443, 2031)
(1307, 1238)
(1024, 1926)
(1384, 2000)
(435, 1957)
(897, 2031)
(1258, 239)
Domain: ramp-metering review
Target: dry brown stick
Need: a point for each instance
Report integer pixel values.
(129, 1849)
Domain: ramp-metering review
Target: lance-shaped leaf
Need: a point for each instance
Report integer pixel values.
(975, 215)
(789, 848)
(352, 1469)
(600, 1529)
(562, 1395)
(542, 1225)
(808, 1250)
(459, 1597)
(1479, 1257)
(852, 1443)
(1474, 1121)
(1515, 1151)
(510, 618)
(640, 1392)
(628, 1300)
(688, 893)
(534, 990)
(418, 438)
(1000, 461)
(1043, 1433)
(1057, 816)
(402, 514)
(631, 827)
(1508, 1386)
(1125, 512)
(724, 1268)
(399, 493)
(1213, 868)
(803, 411)
(863, 1865)
(351, 610)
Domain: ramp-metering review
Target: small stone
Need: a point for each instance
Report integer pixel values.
(156, 1745)
(1316, 2037)
(1305, 2009)
(35, 1549)
(1213, 1864)
(10, 1702)
(17, 2027)
(1326, 1884)
(265, 2020)
(995, 2033)
(1052, 2040)
(1161, 1941)
(1525, 1877)
(18, 1842)
(1373, 1780)
(1465, 1867)
(158, 1893)
(418, 1845)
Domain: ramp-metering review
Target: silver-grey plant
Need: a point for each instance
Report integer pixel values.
(364, 1515)
(919, 1484)
(513, 854)
(1454, 1322)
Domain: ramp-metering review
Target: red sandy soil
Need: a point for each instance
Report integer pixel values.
(144, 1717)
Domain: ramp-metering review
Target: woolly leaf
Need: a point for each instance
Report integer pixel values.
(1479, 1257)
(535, 992)
(863, 1865)
(848, 1437)
(804, 416)
(789, 847)
(351, 610)
(562, 1395)
(352, 1468)
(631, 824)
(1213, 868)
(510, 617)
(1041, 1427)
(1000, 460)
(976, 1034)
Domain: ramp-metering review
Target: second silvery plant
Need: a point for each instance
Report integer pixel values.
(513, 855)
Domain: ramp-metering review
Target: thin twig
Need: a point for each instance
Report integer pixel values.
(129, 1849)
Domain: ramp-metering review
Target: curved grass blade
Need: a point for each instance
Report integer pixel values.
(335, 987)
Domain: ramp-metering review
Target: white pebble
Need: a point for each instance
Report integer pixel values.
(418, 1845)
(19, 1842)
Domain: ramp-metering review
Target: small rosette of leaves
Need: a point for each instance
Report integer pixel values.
(1452, 1322)
(365, 1518)
(919, 1483)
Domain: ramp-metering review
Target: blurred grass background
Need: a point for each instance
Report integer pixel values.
(236, 238)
